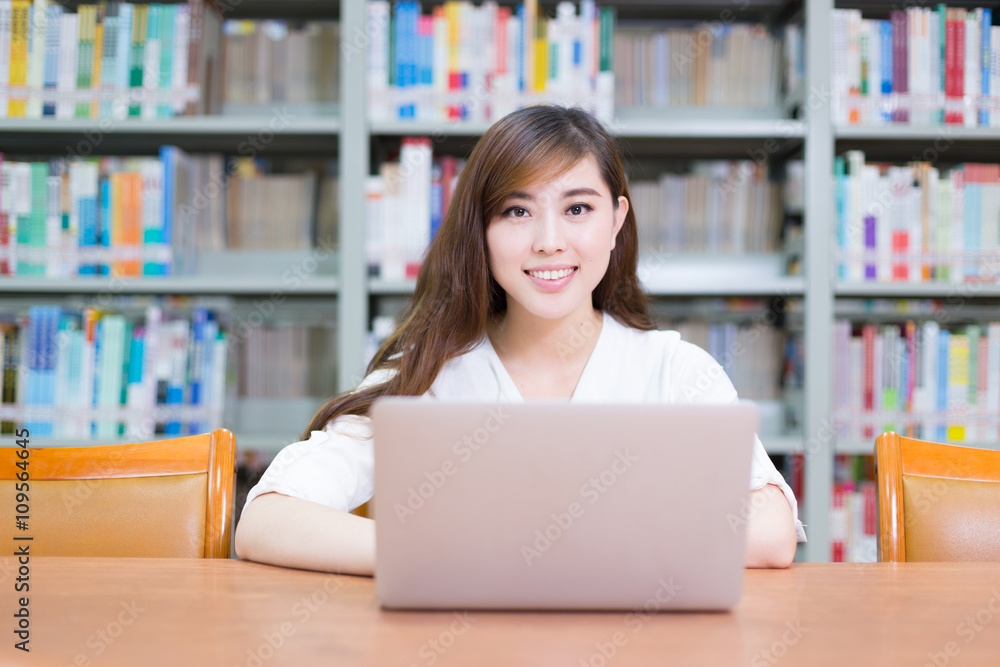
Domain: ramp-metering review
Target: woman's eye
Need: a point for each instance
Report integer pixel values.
(517, 212)
(579, 209)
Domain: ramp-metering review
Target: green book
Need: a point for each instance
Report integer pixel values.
(31, 228)
(136, 58)
(607, 32)
(168, 16)
(85, 55)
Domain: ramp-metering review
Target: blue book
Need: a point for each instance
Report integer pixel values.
(104, 223)
(400, 24)
(840, 193)
(984, 111)
(518, 64)
(199, 320)
(50, 342)
(885, 59)
(944, 342)
(437, 199)
(87, 215)
(30, 374)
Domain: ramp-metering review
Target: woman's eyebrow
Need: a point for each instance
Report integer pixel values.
(575, 192)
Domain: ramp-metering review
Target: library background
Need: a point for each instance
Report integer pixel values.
(212, 210)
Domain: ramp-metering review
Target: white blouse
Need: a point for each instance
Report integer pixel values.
(334, 467)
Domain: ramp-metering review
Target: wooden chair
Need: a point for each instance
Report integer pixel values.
(168, 498)
(936, 502)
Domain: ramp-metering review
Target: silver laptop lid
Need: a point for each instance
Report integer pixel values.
(547, 505)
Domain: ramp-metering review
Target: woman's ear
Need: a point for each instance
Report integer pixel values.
(620, 212)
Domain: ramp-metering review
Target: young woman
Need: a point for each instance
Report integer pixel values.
(529, 290)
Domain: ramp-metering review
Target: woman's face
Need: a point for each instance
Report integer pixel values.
(550, 244)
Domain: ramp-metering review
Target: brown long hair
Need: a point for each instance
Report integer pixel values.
(456, 296)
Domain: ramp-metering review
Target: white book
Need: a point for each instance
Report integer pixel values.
(119, 107)
(995, 76)
(151, 64)
(6, 7)
(934, 65)
(930, 377)
(36, 57)
(838, 65)
(415, 157)
(66, 77)
(374, 232)
(957, 225)
(870, 112)
(152, 173)
(378, 59)
(439, 73)
(912, 61)
(182, 29)
(915, 232)
(973, 21)
(855, 207)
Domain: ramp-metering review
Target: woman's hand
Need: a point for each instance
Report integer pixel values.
(292, 532)
(770, 529)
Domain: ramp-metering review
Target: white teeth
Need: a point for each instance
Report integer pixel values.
(551, 275)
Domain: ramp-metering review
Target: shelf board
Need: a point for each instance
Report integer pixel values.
(790, 286)
(222, 285)
(267, 133)
(917, 132)
(728, 126)
(868, 447)
(918, 290)
(781, 444)
(182, 125)
(645, 126)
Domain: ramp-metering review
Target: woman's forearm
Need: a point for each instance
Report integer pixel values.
(770, 529)
(281, 530)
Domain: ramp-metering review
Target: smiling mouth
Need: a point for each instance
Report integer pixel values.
(551, 275)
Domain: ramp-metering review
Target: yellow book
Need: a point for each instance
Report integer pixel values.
(529, 31)
(541, 57)
(958, 385)
(95, 78)
(20, 11)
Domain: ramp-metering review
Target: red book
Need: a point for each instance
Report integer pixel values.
(868, 333)
(900, 246)
(952, 113)
(838, 524)
(959, 89)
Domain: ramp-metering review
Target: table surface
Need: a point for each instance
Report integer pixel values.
(102, 611)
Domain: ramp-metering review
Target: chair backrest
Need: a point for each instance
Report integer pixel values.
(937, 502)
(167, 499)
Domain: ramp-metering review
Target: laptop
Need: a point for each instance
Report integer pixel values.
(546, 505)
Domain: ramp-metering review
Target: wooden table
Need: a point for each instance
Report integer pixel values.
(134, 612)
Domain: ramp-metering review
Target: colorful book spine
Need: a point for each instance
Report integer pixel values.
(19, 37)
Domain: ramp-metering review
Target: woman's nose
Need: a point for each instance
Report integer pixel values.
(550, 234)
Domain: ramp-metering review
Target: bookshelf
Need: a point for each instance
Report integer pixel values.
(348, 134)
